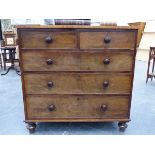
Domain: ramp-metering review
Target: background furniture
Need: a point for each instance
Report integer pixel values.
(9, 38)
(77, 73)
(140, 26)
(151, 65)
(1, 61)
(9, 56)
(1, 36)
(9, 51)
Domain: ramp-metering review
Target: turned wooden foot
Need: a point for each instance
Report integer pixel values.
(122, 126)
(31, 127)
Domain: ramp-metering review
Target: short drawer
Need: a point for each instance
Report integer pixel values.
(101, 40)
(77, 106)
(72, 83)
(48, 39)
(77, 61)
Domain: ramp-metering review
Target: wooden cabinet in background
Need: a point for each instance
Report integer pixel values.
(141, 27)
(77, 73)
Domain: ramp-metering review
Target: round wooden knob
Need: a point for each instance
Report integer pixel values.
(107, 39)
(104, 107)
(50, 84)
(51, 107)
(106, 61)
(105, 83)
(49, 62)
(48, 39)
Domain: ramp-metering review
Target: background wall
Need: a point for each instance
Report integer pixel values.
(148, 39)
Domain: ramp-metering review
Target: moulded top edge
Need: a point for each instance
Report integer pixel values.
(74, 26)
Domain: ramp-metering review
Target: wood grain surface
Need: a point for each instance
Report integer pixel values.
(77, 61)
(95, 40)
(70, 106)
(76, 83)
(37, 39)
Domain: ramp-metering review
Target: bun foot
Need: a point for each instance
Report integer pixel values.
(122, 126)
(31, 127)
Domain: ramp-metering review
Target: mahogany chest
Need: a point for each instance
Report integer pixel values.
(77, 73)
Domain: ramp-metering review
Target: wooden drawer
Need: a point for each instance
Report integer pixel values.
(77, 106)
(73, 83)
(101, 40)
(48, 39)
(77, 61)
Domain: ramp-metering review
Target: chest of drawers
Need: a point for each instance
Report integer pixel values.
(77, 73)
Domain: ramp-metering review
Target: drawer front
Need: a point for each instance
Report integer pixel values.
(82, 106)
(97, 40)
(77, 61)
(73, 83)
(48, 39)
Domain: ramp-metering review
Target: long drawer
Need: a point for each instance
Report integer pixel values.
(77, 106)
(72, 83)
(77, 61)
(107, 39)
(48, 39)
